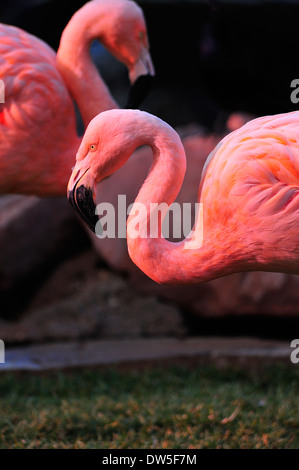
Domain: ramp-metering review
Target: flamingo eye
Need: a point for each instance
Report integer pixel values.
(92, 147)
(141, 35)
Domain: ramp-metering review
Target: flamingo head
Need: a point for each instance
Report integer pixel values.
(120, 26)
(108, 142)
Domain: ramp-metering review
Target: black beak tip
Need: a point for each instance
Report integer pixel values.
(81, 198)
(138, 91)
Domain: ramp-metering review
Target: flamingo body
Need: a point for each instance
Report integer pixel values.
(250, 187)
(249, 191)
(35, 98)
(38, 138)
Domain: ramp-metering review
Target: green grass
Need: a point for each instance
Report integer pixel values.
(175, 407)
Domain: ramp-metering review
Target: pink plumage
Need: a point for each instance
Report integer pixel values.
(38, 139)
(38, 112)
(248, 190)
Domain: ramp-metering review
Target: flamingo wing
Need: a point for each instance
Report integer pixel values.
(38, 110)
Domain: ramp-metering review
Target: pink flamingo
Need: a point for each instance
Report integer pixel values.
(249, 191)
(198, 145)
(39, 87)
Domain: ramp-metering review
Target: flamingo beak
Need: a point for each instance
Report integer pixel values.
(141, 77)
(81, 195)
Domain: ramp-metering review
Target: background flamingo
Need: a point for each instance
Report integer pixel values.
(249, 191)
(38, 108)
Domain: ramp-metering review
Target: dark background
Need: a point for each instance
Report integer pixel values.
(211, 57)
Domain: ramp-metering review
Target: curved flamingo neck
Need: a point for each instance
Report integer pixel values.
(77, 68)
(191, 260)
(162, 185)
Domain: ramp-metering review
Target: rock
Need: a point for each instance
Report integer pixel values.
(35, 235)
(90, 302)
